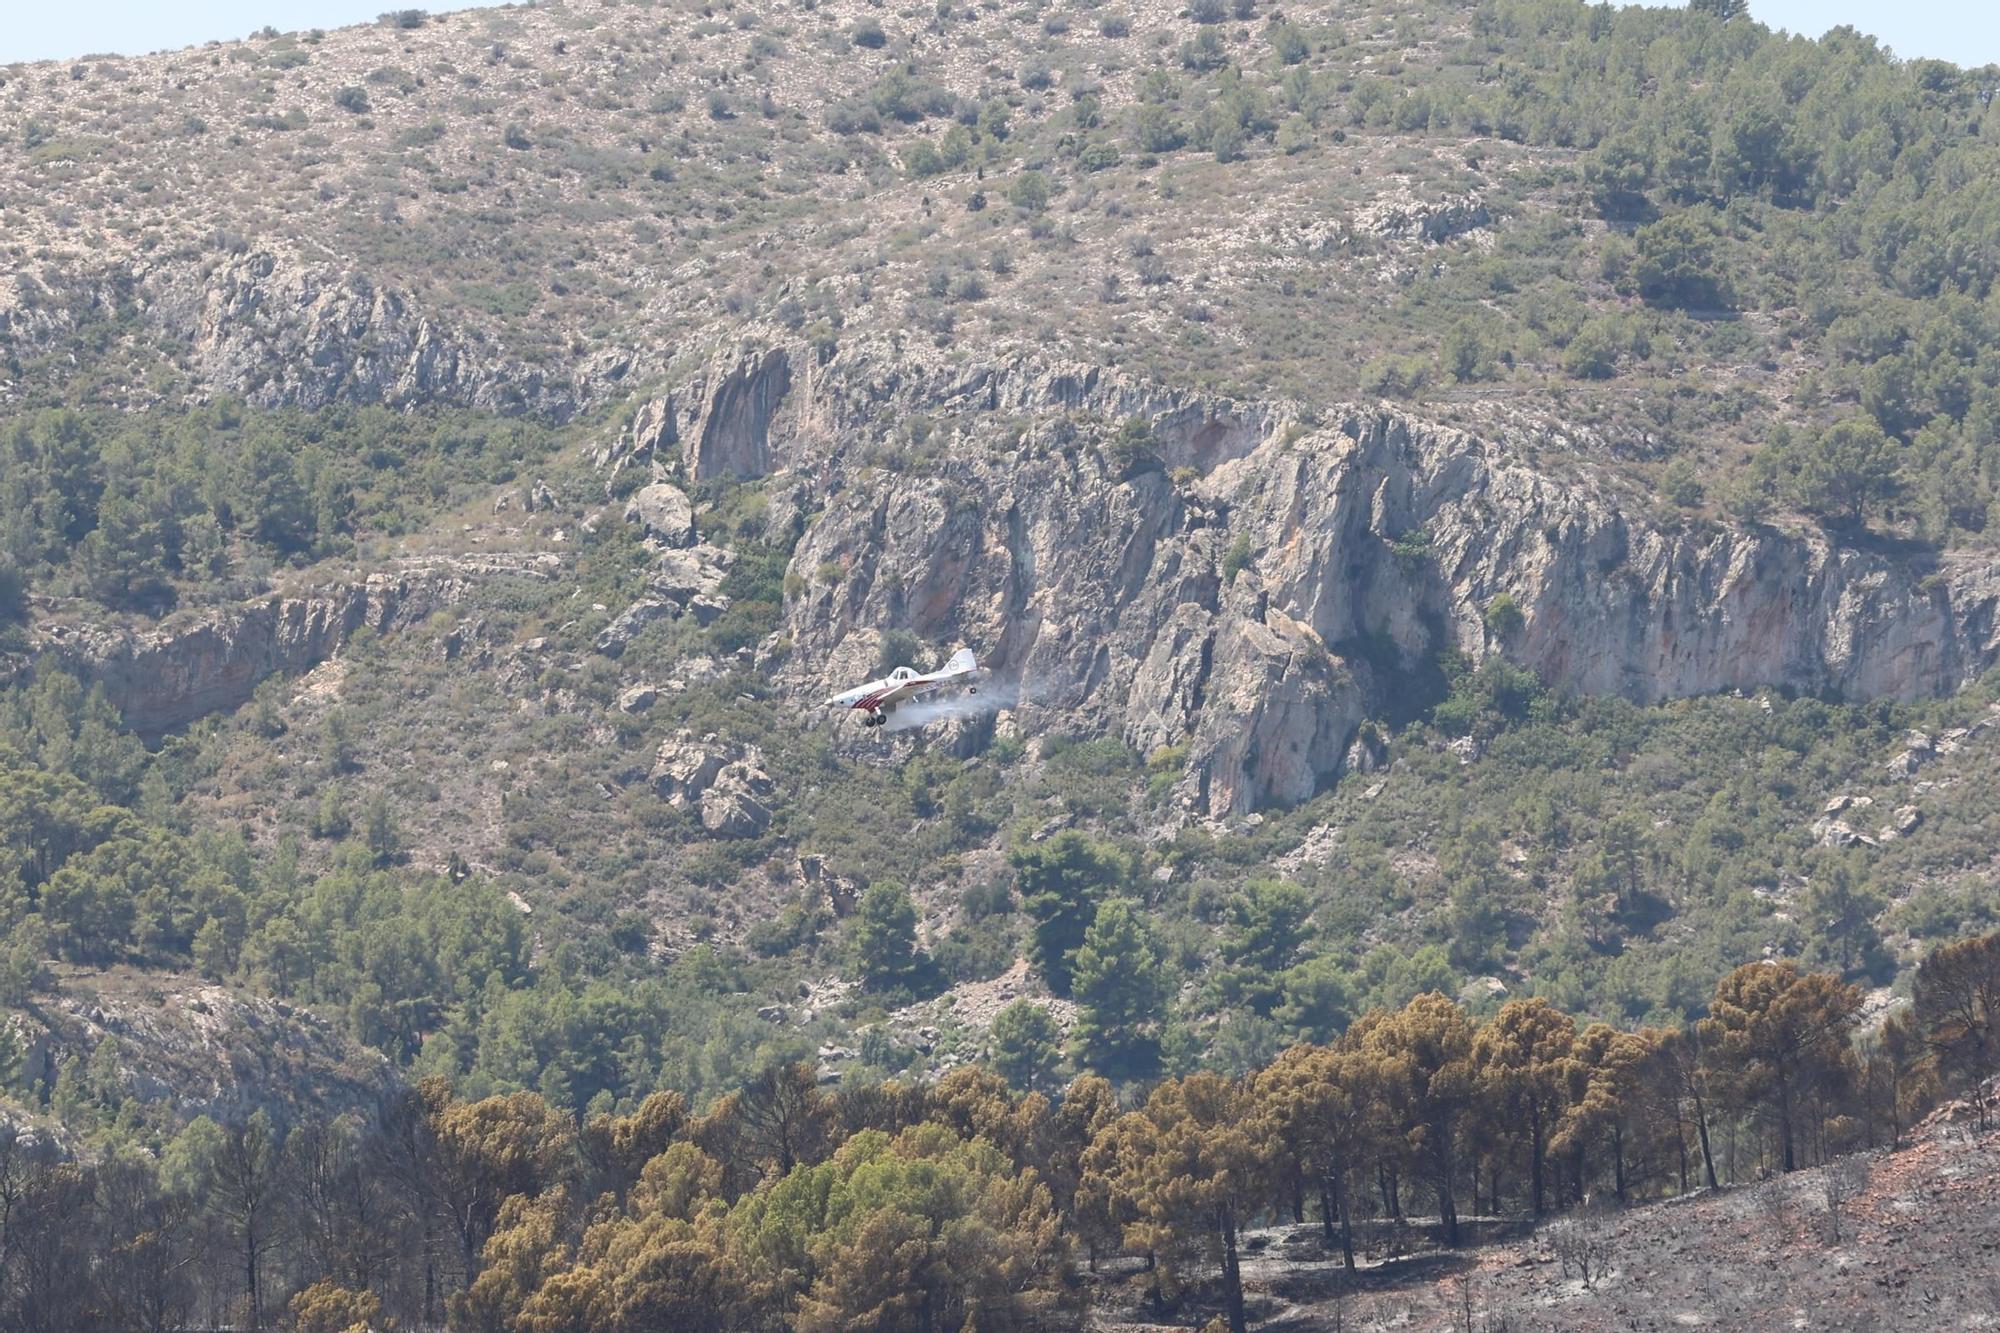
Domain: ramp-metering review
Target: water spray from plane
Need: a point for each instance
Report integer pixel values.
(990, 698)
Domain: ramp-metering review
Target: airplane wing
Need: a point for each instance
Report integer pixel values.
(896, 694)
(879, 698)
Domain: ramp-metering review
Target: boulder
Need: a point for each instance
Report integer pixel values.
(637, 699)
(683, 575)
(618, 635)
(1368, 752)
(665, 513)
(816, 880)
(738, 803)
(723, 785)
(684, 768)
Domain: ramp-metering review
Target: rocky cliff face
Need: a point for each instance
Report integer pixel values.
(164, 677)
(1208, 582)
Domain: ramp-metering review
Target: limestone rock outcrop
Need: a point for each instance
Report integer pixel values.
(1252, 580)
(165, 676)
(733, 437)
(280, 331)
(204, 1048)
(722, 784)
(613, 639)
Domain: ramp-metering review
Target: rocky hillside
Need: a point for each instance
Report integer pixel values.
(764, 247)
(164, 1049)
(464, 449)
(1239, 581)
(565, 208)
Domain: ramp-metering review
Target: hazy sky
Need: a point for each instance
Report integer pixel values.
(60, 29)
(1965, 31)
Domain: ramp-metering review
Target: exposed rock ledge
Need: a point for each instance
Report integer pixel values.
(167, 676)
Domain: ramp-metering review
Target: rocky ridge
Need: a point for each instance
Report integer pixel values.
(166, 676)
(1237, 576)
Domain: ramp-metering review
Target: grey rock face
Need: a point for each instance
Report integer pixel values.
(280, 331)
(1403, 216)
(734, 434)
(654, 426)
(681, 576)
(637, 699)
(684, 768)
(738, 804)
(614, 638)
(165, 677)
(724, 785)
(1234, 606)
(208, 1049)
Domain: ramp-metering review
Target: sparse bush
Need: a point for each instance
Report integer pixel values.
(1029, 192)
(1504, 618)
(853, 117)
(1157, 130)
(1241, 552)
(1841, 1181)
(868, 35)
(1289, 44)
(1205, 54)
(1581, 1245)
(352, 99)
(1681, 484)
(1098, 156)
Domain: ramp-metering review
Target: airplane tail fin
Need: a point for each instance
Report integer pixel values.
(962, 660)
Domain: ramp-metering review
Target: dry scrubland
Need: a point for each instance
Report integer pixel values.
(1492, 500)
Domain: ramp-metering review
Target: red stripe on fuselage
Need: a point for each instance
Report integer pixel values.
(874, 701)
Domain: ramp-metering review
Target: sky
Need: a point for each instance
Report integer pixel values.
(64, 29)
(1964, 31)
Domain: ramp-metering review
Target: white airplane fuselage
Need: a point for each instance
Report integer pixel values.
(877, 699)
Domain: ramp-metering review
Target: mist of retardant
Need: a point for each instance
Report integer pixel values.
(991, 698)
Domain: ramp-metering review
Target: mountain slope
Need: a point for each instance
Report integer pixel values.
(1375, 446)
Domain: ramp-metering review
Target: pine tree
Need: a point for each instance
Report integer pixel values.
(1524, 1057)
(884, 937)
(1062, 881)
(1777, 1040)
(1190, 1167)
(1958, 1007)
(1022, 1046)
(379, 830)
(1120, 988)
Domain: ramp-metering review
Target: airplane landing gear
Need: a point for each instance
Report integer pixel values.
(874, 720)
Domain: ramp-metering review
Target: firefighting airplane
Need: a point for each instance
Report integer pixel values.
(879, 698)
